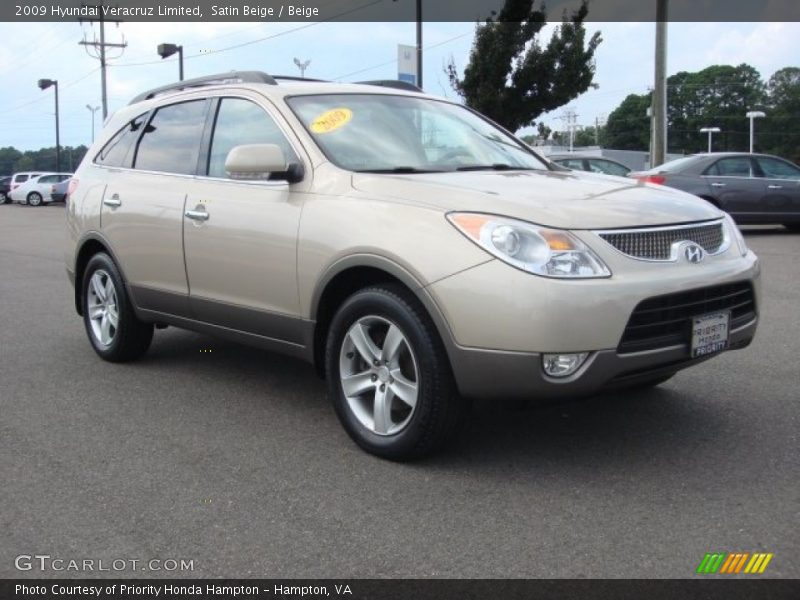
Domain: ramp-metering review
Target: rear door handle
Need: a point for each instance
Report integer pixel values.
(775, 187)
(113, 202)
(197, 215)
(718, 184)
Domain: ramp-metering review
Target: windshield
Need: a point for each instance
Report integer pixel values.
(384, 133)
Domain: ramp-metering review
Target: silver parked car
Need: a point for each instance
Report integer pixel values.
(752, 188)
(416, 253)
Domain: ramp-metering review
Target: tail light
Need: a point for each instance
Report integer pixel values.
(657, 179)
(71, 187)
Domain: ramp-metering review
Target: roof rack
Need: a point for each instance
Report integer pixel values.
(393, 83)
(220, 78)
(296, 78)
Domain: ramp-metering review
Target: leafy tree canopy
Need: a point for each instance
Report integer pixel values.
(512, 77)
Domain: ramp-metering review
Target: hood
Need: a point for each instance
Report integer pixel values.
(567, 200)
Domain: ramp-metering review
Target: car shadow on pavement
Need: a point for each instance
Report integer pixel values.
(638, 427)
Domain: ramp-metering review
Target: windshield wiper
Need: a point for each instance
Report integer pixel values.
(401, 170)
(494, 167)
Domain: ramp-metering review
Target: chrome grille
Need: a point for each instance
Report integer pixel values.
(656, 243)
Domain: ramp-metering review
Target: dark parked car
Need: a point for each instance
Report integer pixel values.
(5, 187)
(753, 188)
(593, 164)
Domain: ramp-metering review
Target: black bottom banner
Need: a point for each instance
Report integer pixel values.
(406, 589)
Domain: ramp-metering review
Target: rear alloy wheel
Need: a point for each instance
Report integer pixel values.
(35, 199)
(113, 329)
(389, 377)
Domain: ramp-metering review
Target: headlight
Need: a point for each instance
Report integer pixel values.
(535, 249)
(734, 232)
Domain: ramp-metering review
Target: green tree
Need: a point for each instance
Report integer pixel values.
(628, 126)
(8, 159)
(512, 77)
(779, 133)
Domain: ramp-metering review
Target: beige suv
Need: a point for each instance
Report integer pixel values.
(415, 252)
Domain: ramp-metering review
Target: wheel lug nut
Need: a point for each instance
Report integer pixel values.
(374, 378)
(383, 387)
(376, 363)
(350, 355)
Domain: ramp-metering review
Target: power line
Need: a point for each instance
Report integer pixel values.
(100, 47)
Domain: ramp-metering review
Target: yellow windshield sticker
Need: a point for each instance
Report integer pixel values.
(331, 120)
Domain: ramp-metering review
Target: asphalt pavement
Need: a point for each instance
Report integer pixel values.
(232, 457)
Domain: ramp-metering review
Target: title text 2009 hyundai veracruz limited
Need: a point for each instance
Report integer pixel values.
(416, 253)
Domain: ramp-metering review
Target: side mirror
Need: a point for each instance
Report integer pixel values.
(253, 162)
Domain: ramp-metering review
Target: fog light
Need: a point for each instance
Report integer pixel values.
(563, 365)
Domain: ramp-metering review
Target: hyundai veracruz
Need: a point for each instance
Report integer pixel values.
(416, 253)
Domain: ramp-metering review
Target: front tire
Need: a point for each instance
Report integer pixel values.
(34, 199)
(113, 329)
(388, 375)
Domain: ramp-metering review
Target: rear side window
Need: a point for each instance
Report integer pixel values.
(241, 122)
(48, 179)
(171, 140)
(573, 163)
(608, 167)
(731, 167)
(20, 178)
(116, 153)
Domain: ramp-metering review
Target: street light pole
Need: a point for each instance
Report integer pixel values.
(43, 85)
(710, 131)
(419, 43)
(167, 50)
(753, 115)
(92, 110)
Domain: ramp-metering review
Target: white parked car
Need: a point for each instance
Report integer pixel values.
(36, 190)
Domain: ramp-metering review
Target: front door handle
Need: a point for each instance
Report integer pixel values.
(718, 184)
(197, 215)
(113, 202)
(775, 187)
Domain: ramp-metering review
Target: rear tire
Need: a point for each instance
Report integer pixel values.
(401, 401)
(35, 199)
(113, 329)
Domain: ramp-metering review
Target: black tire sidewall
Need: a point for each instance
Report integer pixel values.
(116, 351)
(33, 195)
(430, 370)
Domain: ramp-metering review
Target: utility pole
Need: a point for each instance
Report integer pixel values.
(570, 117)
(660, 90)
(100, 47)
(419, 43)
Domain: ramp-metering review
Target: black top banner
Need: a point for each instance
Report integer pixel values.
(389, 10)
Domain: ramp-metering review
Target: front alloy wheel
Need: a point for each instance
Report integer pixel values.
(379, 375)
(388, 375)
(34, 199)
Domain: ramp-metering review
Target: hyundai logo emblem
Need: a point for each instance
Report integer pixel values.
(694, 253)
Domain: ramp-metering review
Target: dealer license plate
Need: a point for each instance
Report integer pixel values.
(710, 334)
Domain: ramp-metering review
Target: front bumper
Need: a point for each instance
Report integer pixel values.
(492, 374)
(500, 321)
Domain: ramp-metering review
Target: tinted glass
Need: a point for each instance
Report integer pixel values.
(732, 167)
(116, 153)
(20, 178)
(573, 163)
(777, 169)
(48, 179)
(677, 165)
(171, 140)
(241, 122)
(608, 167)
(380, 132)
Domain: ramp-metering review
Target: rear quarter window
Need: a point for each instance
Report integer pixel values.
(117, 151)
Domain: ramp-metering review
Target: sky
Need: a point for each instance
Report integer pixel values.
(338, 51)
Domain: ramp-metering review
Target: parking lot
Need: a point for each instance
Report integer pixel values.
(233, 458)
